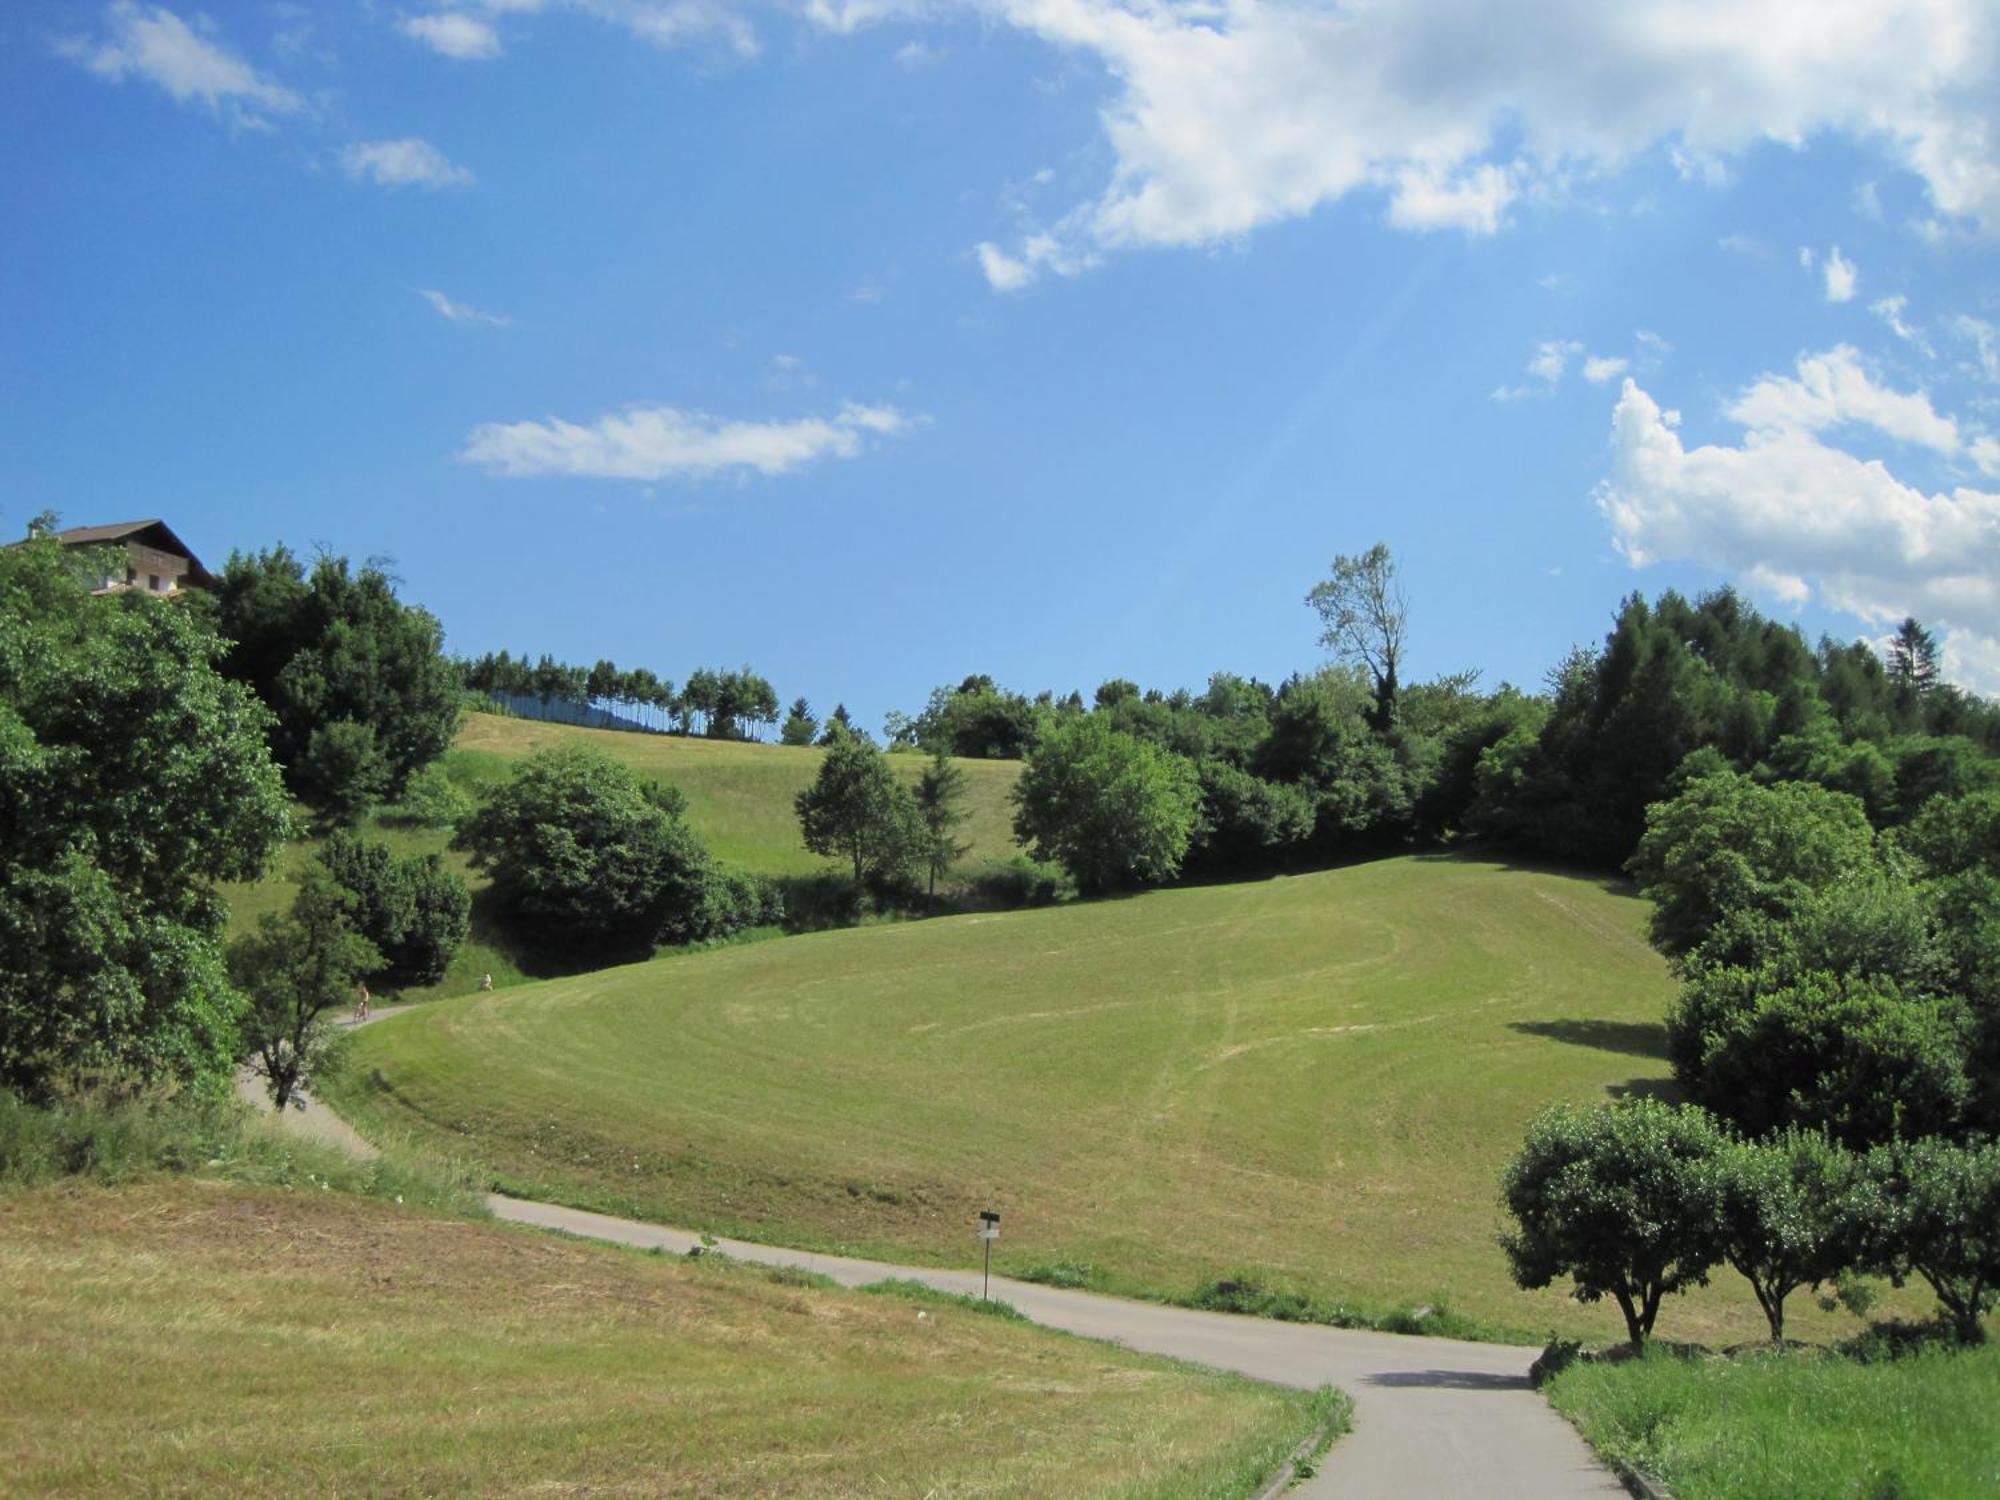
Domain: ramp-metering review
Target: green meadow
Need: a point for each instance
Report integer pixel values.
(1313, 1079)
(195, 1338)
(739, 796)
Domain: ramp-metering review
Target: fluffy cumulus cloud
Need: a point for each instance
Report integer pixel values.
(1795, 517)
(664, 442)
(1841, 276)
(1226, 115)
(453, 33)
(408, 162)
(152, 43)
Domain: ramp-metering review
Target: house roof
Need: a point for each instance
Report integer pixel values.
(151, 533)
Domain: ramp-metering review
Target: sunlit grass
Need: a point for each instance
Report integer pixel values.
(1778, 1427)
(1316, 1079)
(198, 1338)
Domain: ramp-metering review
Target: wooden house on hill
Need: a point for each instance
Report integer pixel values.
(156, 560)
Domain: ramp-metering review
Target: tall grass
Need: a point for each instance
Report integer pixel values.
(110, 1137)
(1777, 1426)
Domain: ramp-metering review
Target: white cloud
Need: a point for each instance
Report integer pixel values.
(664, 442)
(1746, 244)
(1840, 276)
(462, 312)
(1040, 252)
(453, 33)
(1833, 390)
(408, 162)
(151, 42)
(1547, 364)
(1985, 341)
(1601, 367)
(1868, 201)
(1227, 115)
(1799, 519)
(1890, 310)
(664, 23)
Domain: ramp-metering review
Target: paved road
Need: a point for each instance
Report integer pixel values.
(1434, 1419)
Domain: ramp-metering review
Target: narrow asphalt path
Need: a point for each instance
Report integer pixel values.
(1434, 1419)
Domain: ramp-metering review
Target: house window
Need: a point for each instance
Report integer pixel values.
(153, 582)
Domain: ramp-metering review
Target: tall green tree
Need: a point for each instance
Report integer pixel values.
(1913, 660)
(800, 726)
(296, 970)
(1111, 809)
(335, 646)
(941, 807)
(1365, 615)
(133, 778)
(858, 809)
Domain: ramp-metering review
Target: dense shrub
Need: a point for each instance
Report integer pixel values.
(1111, 809)
(1728, 845)
(583, 853)
(1856, 1057)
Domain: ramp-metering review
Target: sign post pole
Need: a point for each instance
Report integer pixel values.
(989, 1231)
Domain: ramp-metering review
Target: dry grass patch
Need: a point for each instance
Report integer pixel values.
(192, 1338)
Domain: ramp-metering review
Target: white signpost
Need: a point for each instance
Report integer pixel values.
(989, 1231)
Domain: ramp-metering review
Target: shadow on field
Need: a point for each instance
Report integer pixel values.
(1663, 1089)
(1507, 859)
(1632, 1038)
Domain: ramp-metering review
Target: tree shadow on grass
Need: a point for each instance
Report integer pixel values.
(1451, 1380)
(1663, 1089)
(1632, 1038)
(535, 955)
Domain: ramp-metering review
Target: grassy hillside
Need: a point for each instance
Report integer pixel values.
(196, 1338)
(739, 800)
(739, 794)
(1316, 1077)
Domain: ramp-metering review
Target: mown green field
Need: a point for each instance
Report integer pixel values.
(1776, 1427)
(1316, 1077)
(196, 1338)
(740, 799)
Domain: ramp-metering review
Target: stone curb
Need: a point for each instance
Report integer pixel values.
(1638, 1481)
(1288, 1471)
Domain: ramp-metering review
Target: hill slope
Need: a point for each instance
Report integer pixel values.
(739, 793)
(1317, 1077)
(740, 798)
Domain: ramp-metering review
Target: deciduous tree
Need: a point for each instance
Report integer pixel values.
(1624, 1200)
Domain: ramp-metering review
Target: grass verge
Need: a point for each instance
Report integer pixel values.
(1776, 1426)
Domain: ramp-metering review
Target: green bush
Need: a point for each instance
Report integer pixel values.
(415, 911)
(583, 853)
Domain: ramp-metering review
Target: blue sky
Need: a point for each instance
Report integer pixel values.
(882, 342)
